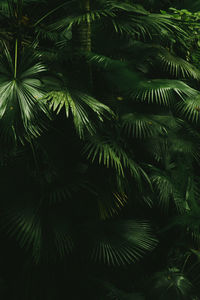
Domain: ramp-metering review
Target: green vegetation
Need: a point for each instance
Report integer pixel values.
(99, 150)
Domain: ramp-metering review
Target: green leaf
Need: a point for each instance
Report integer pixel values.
(120, 243)
(177, 66)
(162, 91)
(170, 283)
(20, 110)
(113, 155)
(190, 108)
(140, 125)
(81, 106)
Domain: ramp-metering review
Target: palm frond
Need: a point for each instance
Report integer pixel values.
(118, 72)
(113, 155)
(162, 91)
(68, 22)
(186, 143)
(140, 125)
(171, 282)
(104, 62)
(190, 108)
(109, 9)
(47, 34)
(81, 106)
(167, 190)
(177, 66)
(190, 222)
(190, 219)
(110, 205)
(133, 19)
(192, 192)
(26, 225)
(19, 107)
(162, 23)
(127, 7)
(162, 58)
(167, 121)
(147, 25)
(23, 224)
(120, 243)
(61, 192)
(63, 236)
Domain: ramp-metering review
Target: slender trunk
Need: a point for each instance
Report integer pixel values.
(16, 58)
(81, 33)
(81, 39)
(85, 33)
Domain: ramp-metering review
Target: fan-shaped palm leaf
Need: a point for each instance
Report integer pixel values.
(133, 18)
(190, 108)
(119, 243)
(23, 224)
(67, 22)
(190, 219)
(162, 91)
(139, 52)
(112, 154)
(140, 125)
(177, 66)
(105, 9)
(36, 233)
(62, 234)
(81, 106)
(146, 25)
(175, 139)
(20, 88)
(167, 190)
(137, 20)
(167, 121)
(186, 143)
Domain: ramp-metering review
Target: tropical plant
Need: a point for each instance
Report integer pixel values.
(99, 119)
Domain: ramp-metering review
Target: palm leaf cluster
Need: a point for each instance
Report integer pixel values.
(99, 156)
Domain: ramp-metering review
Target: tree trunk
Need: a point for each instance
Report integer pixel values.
(81, 39)
(86, 28)
(81, 34)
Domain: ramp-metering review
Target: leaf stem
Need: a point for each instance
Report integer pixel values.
(16, 53)
(50, 12)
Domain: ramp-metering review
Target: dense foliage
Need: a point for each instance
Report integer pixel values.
(100, 149)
